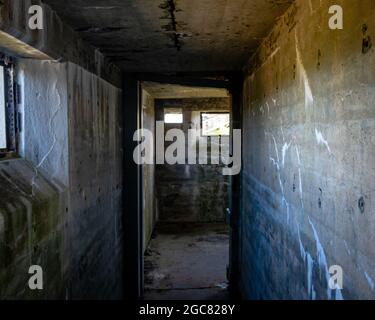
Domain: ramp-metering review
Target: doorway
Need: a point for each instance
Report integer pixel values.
(185, 233)
(185, 203)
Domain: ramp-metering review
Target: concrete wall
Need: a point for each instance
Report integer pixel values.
(95, 189)
(60, 203)
(34, 189)
(309, 127)
(31, 231)
(44, 108)
(191, 193)
(56, 40)
(150, 213)
(68, 180)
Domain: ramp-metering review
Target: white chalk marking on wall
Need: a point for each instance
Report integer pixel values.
(370, 281)
(51, 128)
(275, 146)
(282, 129)
(338, 295)
(310, 266)
(310, 286)
(267, 60)
(321, 141)
(347, 248)
(322, 261)
(276, 163)
(268, 109)
(301, 247)
(299, 175)
(309, 99)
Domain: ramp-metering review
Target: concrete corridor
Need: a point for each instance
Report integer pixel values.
(168, 149)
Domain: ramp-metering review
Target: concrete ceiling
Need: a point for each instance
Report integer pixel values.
(173, 35)
(169, 91)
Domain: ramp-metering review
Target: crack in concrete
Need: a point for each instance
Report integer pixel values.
(41, 162)
(170, 7)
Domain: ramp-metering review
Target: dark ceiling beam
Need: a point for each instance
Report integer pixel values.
(188, 80)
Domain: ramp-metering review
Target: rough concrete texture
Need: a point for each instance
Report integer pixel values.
(95, 170)
(195, 193)
(308, 150)
(187, 262)
(173, 35)
(71, 228)
(31, 232)
(35, 189)
(57, 40)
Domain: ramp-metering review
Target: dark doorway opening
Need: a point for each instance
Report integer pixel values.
(200, 236)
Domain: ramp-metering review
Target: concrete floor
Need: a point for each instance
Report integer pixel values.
(187, 261)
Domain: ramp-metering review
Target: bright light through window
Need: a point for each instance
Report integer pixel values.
(173, 118)
(3, 140)
(173, 115)
(215, 124)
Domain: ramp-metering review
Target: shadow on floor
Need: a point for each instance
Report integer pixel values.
(187, 261)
